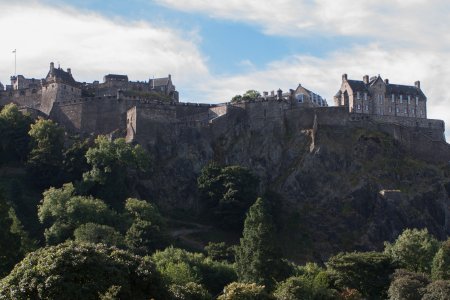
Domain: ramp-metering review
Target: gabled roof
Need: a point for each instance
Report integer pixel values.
(357, 85)
(62, 75)
(404, 90)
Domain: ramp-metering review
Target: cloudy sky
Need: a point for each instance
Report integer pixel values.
(215, 49)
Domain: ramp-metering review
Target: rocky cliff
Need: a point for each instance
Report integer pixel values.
(340, 188)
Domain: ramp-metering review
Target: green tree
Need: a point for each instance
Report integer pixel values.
(74, 160)
(220, 252)
(258, 259)
(189, 291)
(407, 285)
(14, 139)
(437, 290)
(367, 272)
(236, 99)
(414, 249)
(251, 95)
(148, 230)
(181, 267)
(228, 192)
(111, 162)
(312, 283)
(244, 291)
(96, 233)
(46, 156)
(441, 262)
(9, 241)
(61, 212)
(82, 271)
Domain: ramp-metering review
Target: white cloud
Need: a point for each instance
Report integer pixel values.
(400, 20)
(92, 45)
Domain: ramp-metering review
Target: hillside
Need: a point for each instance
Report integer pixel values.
(337, 187)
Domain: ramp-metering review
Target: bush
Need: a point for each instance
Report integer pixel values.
(367, 272)
(220, 252)
(441, 262)
(82, 271)
(95, 233)
(407, 285)
(189, 291)
(414, 249)
(438, 290)
(244, 291)
(180, 267)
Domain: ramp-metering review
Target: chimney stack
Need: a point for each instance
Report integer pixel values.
(344, 77)
(386, 81)
(417, 84)
(69, 71)
(279, 94)
(366, 79)
(272, 93)
(52, 66)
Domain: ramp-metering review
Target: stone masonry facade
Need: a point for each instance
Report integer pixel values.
(136, 110)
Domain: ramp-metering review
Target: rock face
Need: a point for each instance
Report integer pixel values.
(340, 188)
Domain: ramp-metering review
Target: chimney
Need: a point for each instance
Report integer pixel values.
(69, 70)
(386, 81)
(417, 84)
(52, 66)
(272, 93)
(279, 94)
(265, 94)
(366, 79)
(344, 77)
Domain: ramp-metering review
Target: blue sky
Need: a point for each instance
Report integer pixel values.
(216, 49)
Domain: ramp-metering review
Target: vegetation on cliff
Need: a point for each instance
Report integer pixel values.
(307, 214)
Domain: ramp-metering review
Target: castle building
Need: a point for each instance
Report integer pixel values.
(376, 96)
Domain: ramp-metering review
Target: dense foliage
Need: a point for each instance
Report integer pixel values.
(414, 249)
(82, 271)
(258, 259)
(228, 192)
(104, 244)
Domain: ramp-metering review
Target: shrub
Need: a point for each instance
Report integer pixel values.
(441, 262)
(244, 291)
(438, 290)
(407, 285)
(189, 291)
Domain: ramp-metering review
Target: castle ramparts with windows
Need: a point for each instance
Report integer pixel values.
(137, 110)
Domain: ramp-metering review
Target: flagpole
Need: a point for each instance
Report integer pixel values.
(15, 62)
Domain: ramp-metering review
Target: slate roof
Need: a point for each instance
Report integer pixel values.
(159, 81)
(404, 90)
(62, 75)
(357, 85)
(116, 77)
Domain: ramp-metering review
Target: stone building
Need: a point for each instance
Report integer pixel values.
(298, 97)
(376, 96)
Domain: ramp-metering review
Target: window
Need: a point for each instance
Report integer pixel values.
(409, 99)
(358, 95)
(417, 100)
(393, 98)
(406, 111)
(390, 109)
(413, 111)
(397, 110)
(359, 107)
(367, 107)
(365, 96)
(401, 99)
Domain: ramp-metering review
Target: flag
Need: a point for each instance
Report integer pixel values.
(14, 51)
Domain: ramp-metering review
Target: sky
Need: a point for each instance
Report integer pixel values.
(215, 49)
